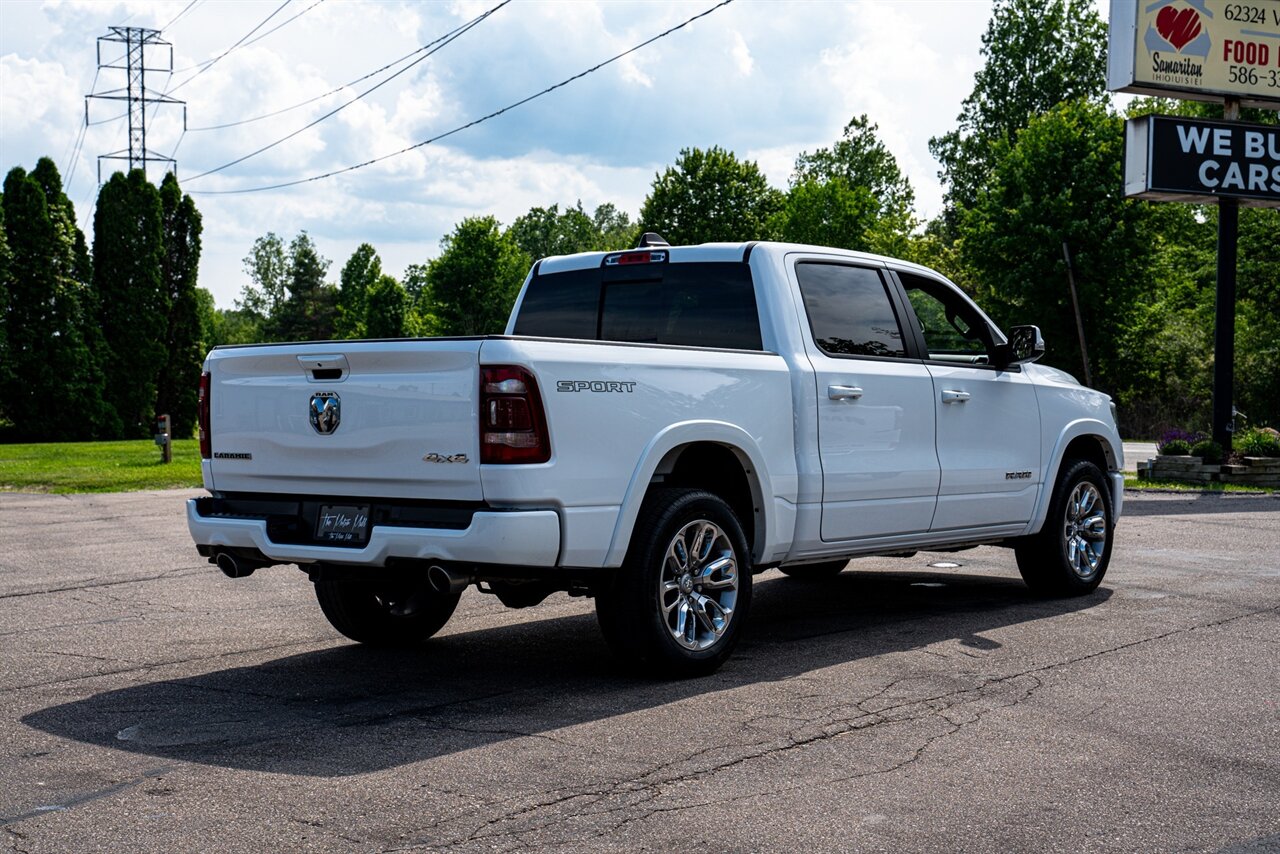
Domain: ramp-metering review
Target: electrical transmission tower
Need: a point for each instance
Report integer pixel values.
(136, 41)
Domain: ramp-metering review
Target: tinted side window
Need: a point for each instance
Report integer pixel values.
(700, 305)
(953, 331)
(849, 310)
(562, 305)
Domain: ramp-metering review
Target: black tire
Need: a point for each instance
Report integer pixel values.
(389, 610)
(1069, 556)
(815, 571)
(673, 620)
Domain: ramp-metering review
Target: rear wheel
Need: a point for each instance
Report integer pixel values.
(677, 606)
(815, 571)
(386, 610)
(1070, 555)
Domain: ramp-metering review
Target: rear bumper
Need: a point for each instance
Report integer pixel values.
(515, 538)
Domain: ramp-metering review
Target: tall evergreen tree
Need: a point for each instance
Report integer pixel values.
(177, 387)
(128, 249)
(308, 312)
(51, 388)
(5, 256)
(359, 275)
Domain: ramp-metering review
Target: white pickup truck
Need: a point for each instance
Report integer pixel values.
(656, 426)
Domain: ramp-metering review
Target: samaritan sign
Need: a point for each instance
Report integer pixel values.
(1199, 49)
(1184, 160)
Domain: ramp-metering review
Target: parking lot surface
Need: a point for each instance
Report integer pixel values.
(148, 703)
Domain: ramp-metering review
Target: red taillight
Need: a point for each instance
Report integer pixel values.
(513, 427)
(643, 257)
(206, 435)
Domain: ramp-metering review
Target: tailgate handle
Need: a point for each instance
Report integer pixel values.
(324, 368)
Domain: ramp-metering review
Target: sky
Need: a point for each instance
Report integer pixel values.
(766, 80)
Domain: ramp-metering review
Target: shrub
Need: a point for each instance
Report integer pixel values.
(1208, 450)
(1180, 439)
(1258, 443)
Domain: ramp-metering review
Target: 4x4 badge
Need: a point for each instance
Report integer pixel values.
(325, 411)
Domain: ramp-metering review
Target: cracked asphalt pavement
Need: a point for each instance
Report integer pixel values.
(148, 703)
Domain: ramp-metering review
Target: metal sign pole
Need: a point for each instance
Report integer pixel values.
(1224, 331)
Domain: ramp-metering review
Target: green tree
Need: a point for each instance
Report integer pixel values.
(710, 196)
(543, 232)
(615, 228)
(50, 384)
(267, 266)
(828, 213)
(128, 250)
(388, 314)
(177, 386)
(359, 275)
(5, 257)
(861, 159)
(476, 278)
(1060, 182)
(308, 312)
(1038, 54)
(422, 314)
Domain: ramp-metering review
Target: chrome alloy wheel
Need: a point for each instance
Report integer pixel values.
(698, 587)
(1084, 535)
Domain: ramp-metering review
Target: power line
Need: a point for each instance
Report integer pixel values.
(456, 34)
(470, 124)
(332, 91)
(212, 62)
(178, 16)
(253, 41)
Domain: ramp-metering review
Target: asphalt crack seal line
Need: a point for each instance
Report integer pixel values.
(934, 706)
(86, 798)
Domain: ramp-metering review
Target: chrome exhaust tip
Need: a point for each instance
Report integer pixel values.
(444, 581)
(233, 568)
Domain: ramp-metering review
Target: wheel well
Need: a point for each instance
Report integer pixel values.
(720, 470)
(1091, 449)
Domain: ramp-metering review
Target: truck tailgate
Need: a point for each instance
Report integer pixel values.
(368, 418)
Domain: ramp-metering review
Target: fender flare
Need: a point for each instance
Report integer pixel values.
(1112, 449)
(687, 433)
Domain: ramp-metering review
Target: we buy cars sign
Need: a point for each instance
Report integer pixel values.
(1197, 49)
(1186, 160)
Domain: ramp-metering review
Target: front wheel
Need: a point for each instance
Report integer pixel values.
(677, 605)
(386, 609)
(1069, 556)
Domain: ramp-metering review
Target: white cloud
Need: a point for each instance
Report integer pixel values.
(742, 55)
(766, 80)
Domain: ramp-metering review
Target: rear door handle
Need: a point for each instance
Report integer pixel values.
(844, 392)
(952, 396)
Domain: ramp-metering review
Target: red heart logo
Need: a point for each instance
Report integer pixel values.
(1178, 26)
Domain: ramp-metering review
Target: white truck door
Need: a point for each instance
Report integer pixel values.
(988, 420)
(875, 407)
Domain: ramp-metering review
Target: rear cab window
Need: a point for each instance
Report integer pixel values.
(696, 304)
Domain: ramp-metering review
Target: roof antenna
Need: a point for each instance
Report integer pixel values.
(651, 238)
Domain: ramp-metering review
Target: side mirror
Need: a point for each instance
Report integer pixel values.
(1026, 344)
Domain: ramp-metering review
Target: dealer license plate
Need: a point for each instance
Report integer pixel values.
(343, 523)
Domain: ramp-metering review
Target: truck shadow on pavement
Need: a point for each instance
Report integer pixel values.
(351, 710)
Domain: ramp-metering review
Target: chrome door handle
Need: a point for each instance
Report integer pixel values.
(844, 392)
(952, 396)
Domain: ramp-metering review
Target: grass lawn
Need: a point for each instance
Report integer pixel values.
(1131, 482)
(97, 466)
